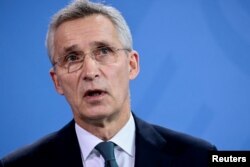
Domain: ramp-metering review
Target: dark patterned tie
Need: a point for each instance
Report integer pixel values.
(106, 149)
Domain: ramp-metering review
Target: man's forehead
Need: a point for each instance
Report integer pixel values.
(89, 27)
(85, 33)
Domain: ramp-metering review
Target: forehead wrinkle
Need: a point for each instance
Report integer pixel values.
(100, 43)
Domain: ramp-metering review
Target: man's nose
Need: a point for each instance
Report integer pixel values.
(90, 69)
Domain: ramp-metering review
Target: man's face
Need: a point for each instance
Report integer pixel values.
(96, 91)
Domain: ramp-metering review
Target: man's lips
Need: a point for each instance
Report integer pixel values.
(94, 93)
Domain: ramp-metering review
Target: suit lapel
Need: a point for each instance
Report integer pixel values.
(69, 150)
(150, 146)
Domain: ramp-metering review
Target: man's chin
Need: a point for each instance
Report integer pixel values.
(94, 116)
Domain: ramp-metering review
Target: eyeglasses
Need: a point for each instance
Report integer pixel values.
(103, 55)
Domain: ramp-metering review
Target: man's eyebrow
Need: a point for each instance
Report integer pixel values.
(92, 44)
(70, 48)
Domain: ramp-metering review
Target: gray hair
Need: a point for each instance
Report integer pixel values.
(84, 8)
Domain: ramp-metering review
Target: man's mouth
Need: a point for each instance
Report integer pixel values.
(94, 93)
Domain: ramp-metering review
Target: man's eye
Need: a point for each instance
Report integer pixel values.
(104, 51)
(72, 57)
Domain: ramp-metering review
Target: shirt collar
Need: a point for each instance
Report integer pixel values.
(86, 140)
(124, 139)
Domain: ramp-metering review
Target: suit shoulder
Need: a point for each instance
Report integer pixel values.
(182, 140)
(169, 146)
(29, 152)
(38, 151)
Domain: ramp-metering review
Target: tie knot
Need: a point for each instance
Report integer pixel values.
(106, 149)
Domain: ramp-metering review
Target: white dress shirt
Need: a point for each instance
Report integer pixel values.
(124, 151)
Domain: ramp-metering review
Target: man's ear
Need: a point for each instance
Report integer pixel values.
(134, 66)
(56, 82)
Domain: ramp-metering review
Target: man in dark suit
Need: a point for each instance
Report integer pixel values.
(90, 48)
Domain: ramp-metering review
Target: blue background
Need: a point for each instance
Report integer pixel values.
(195, 69)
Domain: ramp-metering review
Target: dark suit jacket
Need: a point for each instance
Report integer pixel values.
(155, 147)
